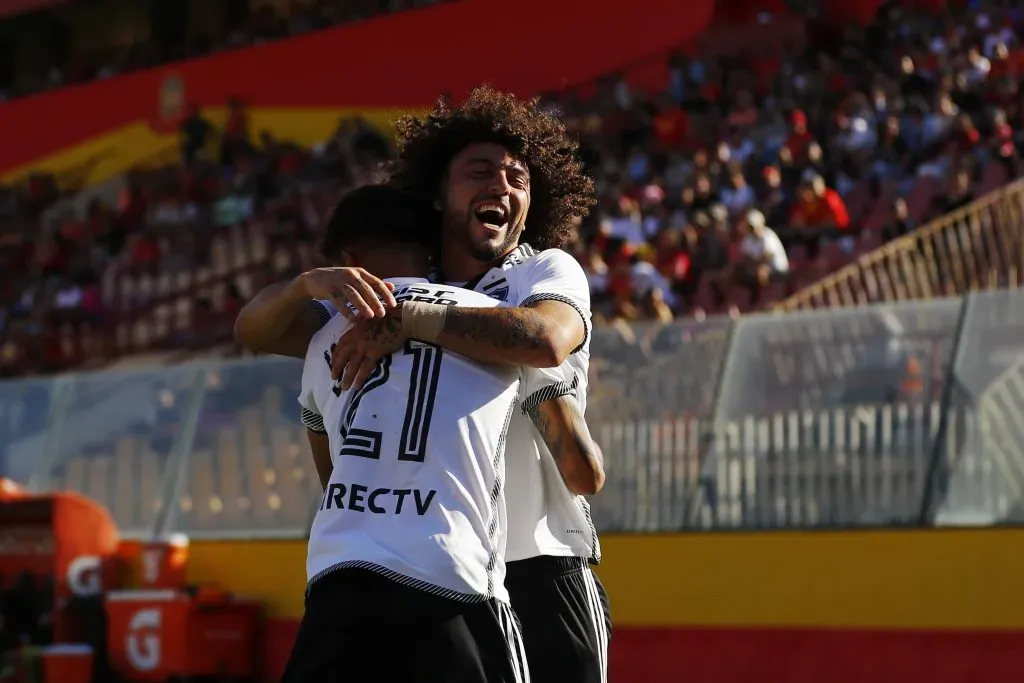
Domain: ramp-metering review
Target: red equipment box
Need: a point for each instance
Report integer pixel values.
(158, 634)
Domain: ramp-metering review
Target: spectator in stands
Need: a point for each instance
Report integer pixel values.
(901, 223)
(1004, 147)
(959, 196)
(763, 254)
(892, 157)
(194, 132)
(236, 142)
(819, 212)
(772, 198)
(800, 139)
(738, 197)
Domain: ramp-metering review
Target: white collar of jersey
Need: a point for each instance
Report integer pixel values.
(516, 257)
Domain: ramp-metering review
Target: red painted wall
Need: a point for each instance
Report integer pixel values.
(780, 655)
(931, 606)
(404, 60)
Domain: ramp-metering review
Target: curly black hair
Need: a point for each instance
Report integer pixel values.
(560, 188)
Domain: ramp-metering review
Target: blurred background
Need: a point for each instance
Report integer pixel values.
(806, 270)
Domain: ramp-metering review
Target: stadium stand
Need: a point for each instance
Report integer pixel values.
(832, 143)
(883, 158)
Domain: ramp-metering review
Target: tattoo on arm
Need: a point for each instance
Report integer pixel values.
(567, 443)
(507, 328)
(387, 329)
(552, 436)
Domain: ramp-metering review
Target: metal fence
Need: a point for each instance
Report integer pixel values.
(904, 414)
(980, 246)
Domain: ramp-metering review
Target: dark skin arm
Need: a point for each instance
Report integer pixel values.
(279, 320)
(577, 455)
(541, 335)
(282, 318)
(320, 445)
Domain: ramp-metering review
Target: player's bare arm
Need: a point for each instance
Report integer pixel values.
(564, 430)
(320, 445)
(539, 335)
(282, 318)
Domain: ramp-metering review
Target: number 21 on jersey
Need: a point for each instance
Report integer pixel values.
(423, 379)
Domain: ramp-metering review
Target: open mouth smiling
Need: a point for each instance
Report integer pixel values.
(493, 215)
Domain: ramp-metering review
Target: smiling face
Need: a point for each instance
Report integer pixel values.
(485, 202)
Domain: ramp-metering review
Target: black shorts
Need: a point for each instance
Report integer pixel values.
(362, 626)
(563, 611)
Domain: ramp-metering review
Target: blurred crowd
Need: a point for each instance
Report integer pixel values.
(746, 178)
(58, 265)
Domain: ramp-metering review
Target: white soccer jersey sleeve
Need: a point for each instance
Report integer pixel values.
(325, 310)
(545, 518)
(553, 275)
(310, 415)
(317, 383)
(543, 384)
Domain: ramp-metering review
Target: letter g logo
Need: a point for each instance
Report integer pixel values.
(144, 649)
(84, 576)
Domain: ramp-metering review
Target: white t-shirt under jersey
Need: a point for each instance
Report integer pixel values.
(545, 518)
(417, 488)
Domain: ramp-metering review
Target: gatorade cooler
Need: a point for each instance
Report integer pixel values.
(67, 664)
(163, 562)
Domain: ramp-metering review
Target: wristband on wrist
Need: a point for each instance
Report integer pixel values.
(423, 321)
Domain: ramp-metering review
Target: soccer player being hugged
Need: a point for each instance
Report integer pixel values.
(409, 539)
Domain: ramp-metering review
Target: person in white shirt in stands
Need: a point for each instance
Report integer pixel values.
(763, 250)
(409, 539)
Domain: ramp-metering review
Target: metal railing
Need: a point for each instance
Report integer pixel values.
(979, 247)
(902, 414)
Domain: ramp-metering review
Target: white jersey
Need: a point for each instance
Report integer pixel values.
(545, 518)
(417, 488)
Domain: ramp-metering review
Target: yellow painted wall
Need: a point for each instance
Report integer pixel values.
(952, 579)
(105, 156)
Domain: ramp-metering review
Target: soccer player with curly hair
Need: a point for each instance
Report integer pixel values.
(509, 185)
(506, 181)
